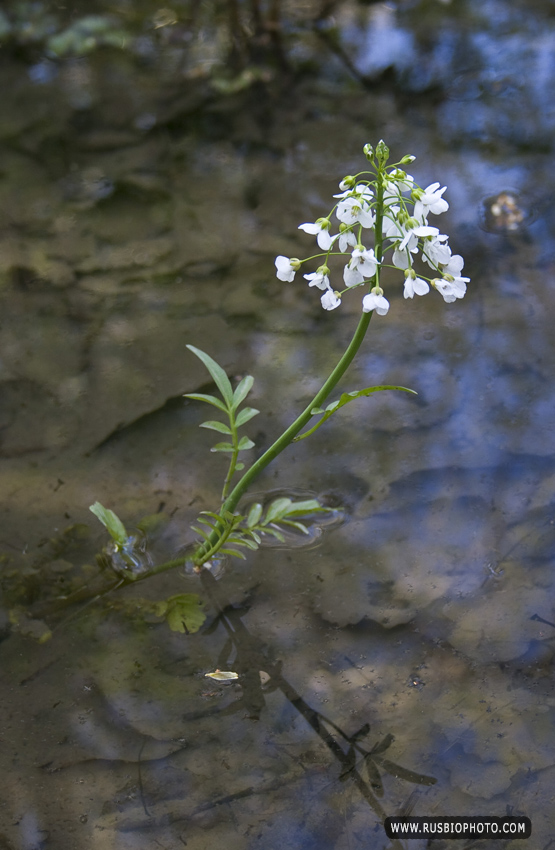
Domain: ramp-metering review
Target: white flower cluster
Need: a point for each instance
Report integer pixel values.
(361, 205)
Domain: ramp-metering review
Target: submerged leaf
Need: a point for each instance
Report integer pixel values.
(183, 612)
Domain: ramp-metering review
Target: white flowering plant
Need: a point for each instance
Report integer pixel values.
(376, 206)
(382, 222)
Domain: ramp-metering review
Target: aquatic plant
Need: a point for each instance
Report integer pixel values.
(382, 219)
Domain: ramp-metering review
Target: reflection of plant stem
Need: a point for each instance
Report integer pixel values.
(247, 649)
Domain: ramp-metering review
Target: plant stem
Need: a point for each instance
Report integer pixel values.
(287, 437)
(234, 456)
(213, 544)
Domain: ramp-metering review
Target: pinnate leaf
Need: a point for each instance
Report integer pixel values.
(220, 378)
(209, 399)
(242, 390)
(245, 415)
(111, 522)
(213, 425)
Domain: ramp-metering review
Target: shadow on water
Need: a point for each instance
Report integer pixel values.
(154, 162)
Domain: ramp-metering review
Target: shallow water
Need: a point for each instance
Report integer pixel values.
(425, 622)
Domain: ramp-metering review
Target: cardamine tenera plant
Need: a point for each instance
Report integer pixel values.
(379, 220)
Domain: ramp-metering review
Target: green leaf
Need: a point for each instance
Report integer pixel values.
(216, 426)
(209, 399)
(200, 531)
(298, 525)
(254, 515)
(245, 443)
(234, 552)
(277, 510)
(111, 522)
(309, 506)
(184, 613)
(345, 399)
(223, 447)
(239, 466)
(217, 516)
(242, 390)
(242, 541)
(220, 378)
(153, 524)
(245, 415)
(275, 533)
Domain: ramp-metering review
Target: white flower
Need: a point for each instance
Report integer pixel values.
(362, 264)
(419, 231)
(375, 301)
(435, 251)
(399, 181)
(286, 267)
(345, 238)
(454, 265)
(451, 289)
(321, 229)
(429, 200)
(330, 300)
(401, 259)
(355, 208)
(319, 278)
(364, 191)
(414, 285)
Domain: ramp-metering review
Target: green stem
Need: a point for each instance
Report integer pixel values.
(208, 548)
(287, 437)
(234, 456)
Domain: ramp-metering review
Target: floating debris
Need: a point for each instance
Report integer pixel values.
(503, 213)
(222, 675)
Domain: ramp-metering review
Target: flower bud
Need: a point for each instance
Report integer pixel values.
(295, 263)
(324, 223)
(368, 151)
(323, 270)
(407, 159)
(348, 182)
(382, 152)
(410, 273)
